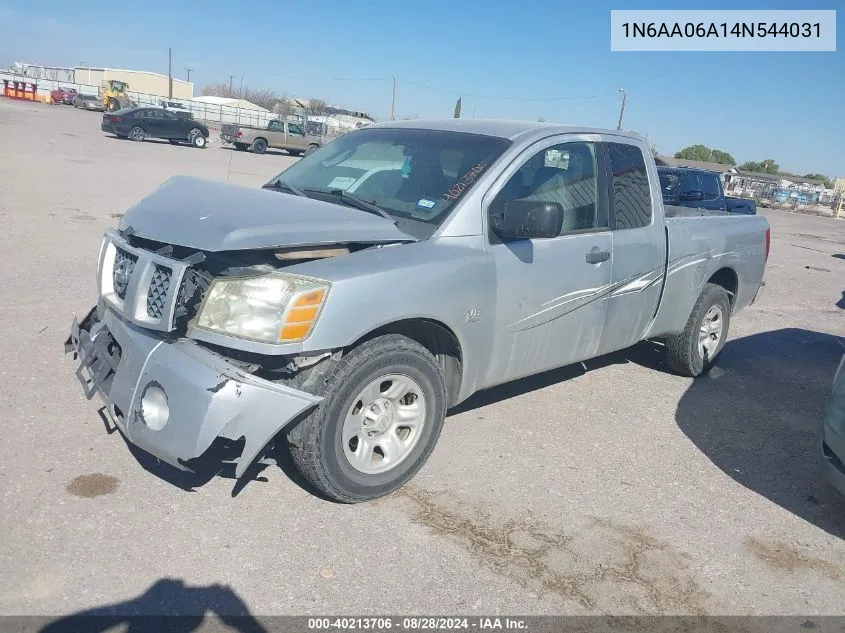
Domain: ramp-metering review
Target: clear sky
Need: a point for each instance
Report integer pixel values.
(786, 106)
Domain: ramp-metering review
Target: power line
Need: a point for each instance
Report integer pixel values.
(442, 90)
(475, 96)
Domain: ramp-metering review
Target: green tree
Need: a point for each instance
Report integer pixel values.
(695, 152)
(723, 158)
(768, 166)
(828, 183)
(704, 153)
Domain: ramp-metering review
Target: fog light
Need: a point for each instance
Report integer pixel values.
(154, 408)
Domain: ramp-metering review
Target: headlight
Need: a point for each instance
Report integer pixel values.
(274, 308)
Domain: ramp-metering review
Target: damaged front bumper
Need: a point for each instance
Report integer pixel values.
(173, 398)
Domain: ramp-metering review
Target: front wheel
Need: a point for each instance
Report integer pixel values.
(383, 409)
(137, 134)
(693, 351)
(311, 149)
(197, 138)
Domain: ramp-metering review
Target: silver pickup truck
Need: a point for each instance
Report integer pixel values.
(349, 303)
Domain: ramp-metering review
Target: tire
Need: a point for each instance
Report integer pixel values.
(137, 133)
(683, 351)
(197, 138)
(241, 147)
(311, 149)
(317, 443)
(259, 146)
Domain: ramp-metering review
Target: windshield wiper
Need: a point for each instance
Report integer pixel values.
(281, 184)
(354, 201)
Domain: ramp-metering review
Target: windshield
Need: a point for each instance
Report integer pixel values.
(416, 176)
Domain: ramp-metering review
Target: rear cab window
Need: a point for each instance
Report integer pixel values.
(710, 186)
(630, 194)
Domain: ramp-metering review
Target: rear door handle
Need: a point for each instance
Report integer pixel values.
(595, 256)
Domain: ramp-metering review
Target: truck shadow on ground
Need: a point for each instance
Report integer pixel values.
(759, 419)
(168, 606)
(757, 416)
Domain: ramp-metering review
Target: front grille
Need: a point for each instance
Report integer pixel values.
(124, 264)
(157, 293)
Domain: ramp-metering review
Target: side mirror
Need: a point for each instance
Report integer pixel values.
(692, 195)
(528, 219)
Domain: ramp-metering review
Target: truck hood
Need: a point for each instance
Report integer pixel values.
(217, 216)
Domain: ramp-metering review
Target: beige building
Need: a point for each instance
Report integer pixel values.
(140, 81)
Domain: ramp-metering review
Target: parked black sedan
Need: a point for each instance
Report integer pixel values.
(141, 123)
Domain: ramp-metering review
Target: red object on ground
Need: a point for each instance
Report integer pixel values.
(14, 89)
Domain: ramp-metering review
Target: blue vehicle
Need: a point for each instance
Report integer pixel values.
(700, 189)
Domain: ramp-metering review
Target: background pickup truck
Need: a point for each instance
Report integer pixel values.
(700, 189)
(63, 95)
(278, 134)
(390, 275)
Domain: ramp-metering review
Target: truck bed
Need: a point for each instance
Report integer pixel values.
(700, 244)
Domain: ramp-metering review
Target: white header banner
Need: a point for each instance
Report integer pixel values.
(744, 30)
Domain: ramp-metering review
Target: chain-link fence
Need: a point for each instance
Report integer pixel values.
(316, 123)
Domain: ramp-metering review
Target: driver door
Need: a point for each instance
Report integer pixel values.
(551, 298)
(296, 137)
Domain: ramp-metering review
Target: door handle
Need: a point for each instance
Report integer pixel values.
(595, 256)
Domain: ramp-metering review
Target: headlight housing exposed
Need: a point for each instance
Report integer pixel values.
(272, 308)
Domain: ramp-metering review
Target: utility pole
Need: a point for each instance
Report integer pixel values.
(241, 89)
(189, 74)
(474, 108)
(170, 73)
(231, 77)
(622, 111)
(393, 102)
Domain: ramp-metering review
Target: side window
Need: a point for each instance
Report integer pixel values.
(293, 128)
(710, 186)
(564, 174)
(276, 126)
(691, 182)
(631, 197)
(142, 114)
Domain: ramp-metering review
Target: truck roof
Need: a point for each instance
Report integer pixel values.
(503, 128)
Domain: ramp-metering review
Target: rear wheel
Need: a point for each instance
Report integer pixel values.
(137, 134)
(383, 409)
(311, 149)
(693, 351)
(197, 138)
(259, 146)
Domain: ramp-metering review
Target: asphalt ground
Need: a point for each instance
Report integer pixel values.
(613, 487)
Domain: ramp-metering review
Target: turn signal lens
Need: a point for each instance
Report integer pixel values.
(302, 315)
(314, 298)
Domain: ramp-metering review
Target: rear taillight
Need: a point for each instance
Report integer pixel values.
(240, 133)
(768, 242)
(116, 119)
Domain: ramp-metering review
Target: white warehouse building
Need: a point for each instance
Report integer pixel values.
(140, 81)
